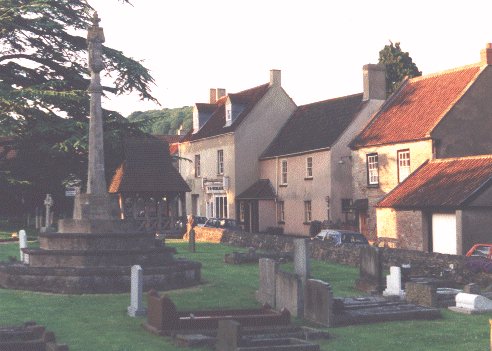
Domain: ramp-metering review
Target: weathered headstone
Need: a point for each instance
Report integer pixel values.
(22, 245)
(289, 293)
(228, 335)
(421, 294)
(318, 302)
(301, 258)
(472, 304)
(370, 270)
(266, 292)
(472, 288)
(394, 283)
(136, 307)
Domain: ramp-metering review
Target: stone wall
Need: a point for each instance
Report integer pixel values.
(422, 263)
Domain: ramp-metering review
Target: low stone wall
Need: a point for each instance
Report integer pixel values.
(422, 263)
(207, 235)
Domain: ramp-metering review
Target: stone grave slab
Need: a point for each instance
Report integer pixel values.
(289, 293)
(267, 291)
(370, 270)
(471, 304)
(318, 302)
(136, 307)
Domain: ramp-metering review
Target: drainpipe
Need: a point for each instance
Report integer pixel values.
(276, 188)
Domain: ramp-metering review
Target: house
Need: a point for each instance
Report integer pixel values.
(229, 134)
(444, 206)
(447, 114)
(306, 170)
(150, 189)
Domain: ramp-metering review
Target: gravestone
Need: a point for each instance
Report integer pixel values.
(318, 302)
(301, 258)
(48, 203)
(266, 292)
(472, 288)
(136, 307)
(228, 335)
(22, 245)
(370, 270)
(421, 294)
(289, 293)
(394, 283)
(471, 304)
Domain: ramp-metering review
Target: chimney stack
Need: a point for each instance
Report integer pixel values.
(275, 77)
(216, 94)
(374, 77)
(486, 55)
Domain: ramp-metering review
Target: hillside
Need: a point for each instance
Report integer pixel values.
(165, 121)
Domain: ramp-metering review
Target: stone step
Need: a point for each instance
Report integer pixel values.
(94, 258)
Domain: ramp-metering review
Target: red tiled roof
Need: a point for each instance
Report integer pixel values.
(447, 183)
(216, 124)
(170, 138)
(416, 108)
(315, 126)
(261, 190)
(147, 168)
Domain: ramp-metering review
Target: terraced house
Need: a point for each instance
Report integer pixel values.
(442, 115)
(229, 134)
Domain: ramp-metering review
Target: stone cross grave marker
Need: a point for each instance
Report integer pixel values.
(301, 259)
(136, 308)
(23, 245)
(48, 202)
(393, 283)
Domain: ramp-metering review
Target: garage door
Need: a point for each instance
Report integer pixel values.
(444, 233)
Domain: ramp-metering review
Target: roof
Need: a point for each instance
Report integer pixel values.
(216, 123)
(413, 111)
(315, 126)
(447, 183)
(147, 168)
(261, 190)
(172, 139)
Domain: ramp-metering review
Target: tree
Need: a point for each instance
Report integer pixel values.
(399, 65)
(43, 99)
(165, 121)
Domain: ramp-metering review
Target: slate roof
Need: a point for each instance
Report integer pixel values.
(216, 124)
(413, 111)
(147, 168)
(445, 183)
(261, 190)
(315, 126)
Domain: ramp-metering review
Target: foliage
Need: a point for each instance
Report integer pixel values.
(43, 98)
(399, 65)
(165, 121)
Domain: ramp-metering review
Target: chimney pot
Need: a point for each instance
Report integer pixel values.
(374, 78)
(275, 77)
(486, 55)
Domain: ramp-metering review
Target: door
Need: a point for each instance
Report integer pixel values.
(444, 238)
(363, 222)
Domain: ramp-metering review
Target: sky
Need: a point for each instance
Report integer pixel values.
(320, 46)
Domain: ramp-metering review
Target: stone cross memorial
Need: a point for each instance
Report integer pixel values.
(136, 307)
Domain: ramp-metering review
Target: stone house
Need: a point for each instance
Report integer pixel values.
(447, 114)
(229, 134)
(445, 206)
(305, 172)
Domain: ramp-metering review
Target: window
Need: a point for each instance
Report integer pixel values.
(403, 164)
(307, 211)
(284, 172)
(221, 206)
(228, 116)
(372, 169)
(197, 165)
(220, 161)
(346, 205)
(242, 210)
(280, 212)
(309, 167)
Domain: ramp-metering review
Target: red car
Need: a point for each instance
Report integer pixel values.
(480, 250)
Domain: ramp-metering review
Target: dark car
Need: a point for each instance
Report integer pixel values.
(225, 223)
(340, 236)
(200, 221)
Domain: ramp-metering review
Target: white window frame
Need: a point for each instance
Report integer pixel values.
(228, 116)
(308, 214)
(220, 162)
(284, 172)
(309, 167)
(372, 169)
(197, 166)
(221, 207)
(403, 157)
(281, 211)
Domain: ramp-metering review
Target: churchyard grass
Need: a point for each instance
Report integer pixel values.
(100, 322)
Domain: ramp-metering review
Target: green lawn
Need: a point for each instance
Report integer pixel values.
(99, 322)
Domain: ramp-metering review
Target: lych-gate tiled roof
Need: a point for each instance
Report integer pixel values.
(216, 124)
(315, 126)
(444, 183)
(261, 190)
(147, 168)
(413, 111)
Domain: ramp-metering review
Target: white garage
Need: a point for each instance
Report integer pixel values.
(444, 238)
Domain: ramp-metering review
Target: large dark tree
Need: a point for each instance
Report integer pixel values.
(44, 104)
(399, 65)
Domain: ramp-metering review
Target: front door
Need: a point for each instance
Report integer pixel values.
(363, 222)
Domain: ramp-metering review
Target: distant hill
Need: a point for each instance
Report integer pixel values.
(165, 121)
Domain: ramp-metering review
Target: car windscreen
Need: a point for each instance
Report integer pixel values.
(353, 238)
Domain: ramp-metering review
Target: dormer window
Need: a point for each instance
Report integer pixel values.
(228, 115)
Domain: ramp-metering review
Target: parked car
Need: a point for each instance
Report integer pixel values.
(340, 236)
(480, 250)
(222, 223)
(200, 221)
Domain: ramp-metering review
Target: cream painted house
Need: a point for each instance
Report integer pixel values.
(305, 172)
(447, 114)
(229, 134)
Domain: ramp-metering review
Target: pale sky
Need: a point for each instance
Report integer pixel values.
(320, 46)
